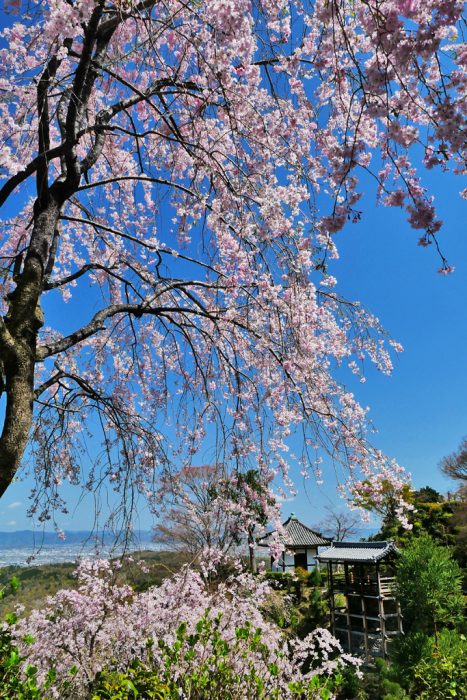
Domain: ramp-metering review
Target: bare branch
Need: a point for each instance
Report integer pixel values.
(29, 170)
(47, 384)
(97, 324)
(76, 275)
(138, 178)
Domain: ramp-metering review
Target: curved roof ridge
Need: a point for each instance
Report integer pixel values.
(358, 551)
(374, 544)
(296, 534)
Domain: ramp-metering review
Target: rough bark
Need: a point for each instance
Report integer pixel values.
(19, 329)
(18, 342)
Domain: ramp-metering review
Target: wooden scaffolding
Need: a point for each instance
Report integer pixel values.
(365, 613)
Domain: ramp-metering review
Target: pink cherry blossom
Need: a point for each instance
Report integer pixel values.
(160, 164)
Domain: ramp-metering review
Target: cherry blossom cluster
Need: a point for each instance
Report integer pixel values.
(192, 252)
(103, 625)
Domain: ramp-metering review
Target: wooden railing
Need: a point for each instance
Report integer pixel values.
(367, 584)
(387, 585)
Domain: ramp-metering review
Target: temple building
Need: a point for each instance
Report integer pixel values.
(301, 546)
(365, 614)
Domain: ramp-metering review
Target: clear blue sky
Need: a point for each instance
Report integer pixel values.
(421, 410)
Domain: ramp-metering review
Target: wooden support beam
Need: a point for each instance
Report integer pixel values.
(331, 598)
(365, 627)
(381, 612)
(399, 617)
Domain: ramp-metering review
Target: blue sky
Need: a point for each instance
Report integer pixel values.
(421, 410)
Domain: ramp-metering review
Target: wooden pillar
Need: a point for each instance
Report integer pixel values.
(347, 606)
(381, 611)
(399, 617)
(349, 625)
(331, 598)
(365, 627)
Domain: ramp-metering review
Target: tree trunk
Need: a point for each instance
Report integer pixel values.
(251, 547)
(18, 340)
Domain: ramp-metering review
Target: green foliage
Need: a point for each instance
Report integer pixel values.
(444, 520)
(309, 609)
(313, 612)
(427, 494)
(324, 688)
(35, 583)
(442, 673)
(381, 682)
(431, 668)
(11, 684)
(138, 681)
(430, 660)
(214, 676)
(459, 523)
(282, 581)
(316, 577)
(350, 685)
(428, 585)
(406, 652)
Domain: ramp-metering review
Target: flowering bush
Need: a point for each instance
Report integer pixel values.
(193, 636)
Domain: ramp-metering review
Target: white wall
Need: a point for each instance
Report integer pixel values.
(289, 560)
(310, 559)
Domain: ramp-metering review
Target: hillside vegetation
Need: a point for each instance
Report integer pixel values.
(145, 568)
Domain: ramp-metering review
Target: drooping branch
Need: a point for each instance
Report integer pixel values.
(137, 178)
(97, 323)
(29, 170)
(79, 273)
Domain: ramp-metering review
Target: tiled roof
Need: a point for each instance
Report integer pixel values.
(296, 534)
(358, 551)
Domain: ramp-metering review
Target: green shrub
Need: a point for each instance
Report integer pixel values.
(11, 683)
(137, 681)
(313, 612)
(381, 683)
(279, 577)
(283, 581)
(406, 652)
(442, 673)
(316, 577)
(428, 583)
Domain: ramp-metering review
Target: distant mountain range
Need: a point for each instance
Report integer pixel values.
(34, 538)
